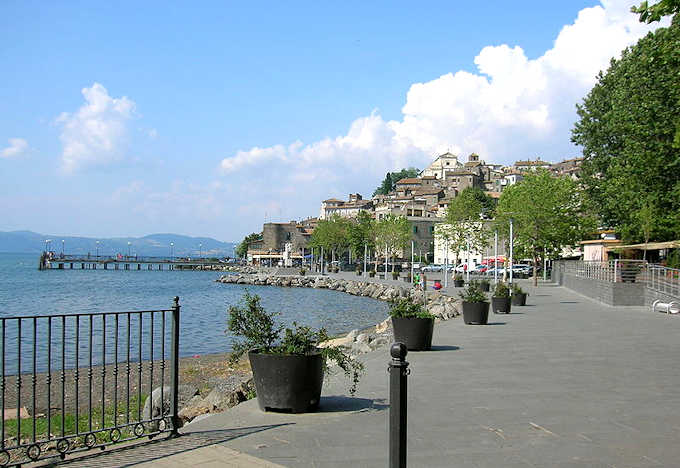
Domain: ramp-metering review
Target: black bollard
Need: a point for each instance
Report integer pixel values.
(398, 370)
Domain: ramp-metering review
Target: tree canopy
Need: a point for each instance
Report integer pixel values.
(361, 232)
(391, 178)
(651, 13)
(463, 226)
(629, 127)
(548, 213)
(393, 233)
(331, 234)
(242, 248)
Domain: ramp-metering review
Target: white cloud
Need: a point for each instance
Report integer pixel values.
(513, 107)
(96, 133)
(17, 147)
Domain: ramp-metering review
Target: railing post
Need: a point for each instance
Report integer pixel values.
(398, 370)
(174, 366)
(616, 263)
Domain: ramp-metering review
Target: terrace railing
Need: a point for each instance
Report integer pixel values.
(74, 382)
(663, 280)
(613, 271)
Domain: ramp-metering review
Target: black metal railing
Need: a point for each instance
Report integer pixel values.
(73, 382)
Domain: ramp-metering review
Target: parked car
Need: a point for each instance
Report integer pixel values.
(432, 267)
(480, 269)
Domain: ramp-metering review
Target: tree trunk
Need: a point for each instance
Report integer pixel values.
(535, 271)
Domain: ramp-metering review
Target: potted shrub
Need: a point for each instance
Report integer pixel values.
(395, 275)
(475, 305)
(484, 285)
(288, 365)
(412, 324)
(458, 281)
(500, 301)
(371, 273)
(303, 271)
(358, 270)
(519, 297)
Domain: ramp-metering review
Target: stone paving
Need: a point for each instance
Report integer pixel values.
(563, 382)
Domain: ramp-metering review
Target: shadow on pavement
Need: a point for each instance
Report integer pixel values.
(496, 323)
(137, 453)
(444, 348)
(341, 403)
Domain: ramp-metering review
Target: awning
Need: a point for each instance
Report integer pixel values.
(651, 246)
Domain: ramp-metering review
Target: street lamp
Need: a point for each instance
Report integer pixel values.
(97, 250)
(511, 244)
(62, 247)
(200, 250)
(129, 243)
(47, 241)
(172, 245)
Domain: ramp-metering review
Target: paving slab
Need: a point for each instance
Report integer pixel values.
(563, 382)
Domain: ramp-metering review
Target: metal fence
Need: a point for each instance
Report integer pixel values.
(613, 271)
(663, 279)
(73, 382)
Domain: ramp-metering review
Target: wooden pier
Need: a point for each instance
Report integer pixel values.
(124, 262)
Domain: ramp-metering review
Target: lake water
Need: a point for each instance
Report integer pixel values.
(26, 291)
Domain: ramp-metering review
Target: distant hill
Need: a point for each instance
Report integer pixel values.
(157, 245)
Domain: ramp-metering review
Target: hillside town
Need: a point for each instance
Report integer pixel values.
(422, 200)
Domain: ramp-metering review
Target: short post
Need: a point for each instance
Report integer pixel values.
(174, 367)
(398, 370)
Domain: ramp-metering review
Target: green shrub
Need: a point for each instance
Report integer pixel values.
(485, 282)
(516, 289)
(408, 309)
(473, 293)
(255, 328)
(501, 290)
(458, 277)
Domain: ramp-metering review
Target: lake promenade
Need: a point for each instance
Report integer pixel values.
(562, 382)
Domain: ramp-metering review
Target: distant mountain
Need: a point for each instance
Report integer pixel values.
(157, 245)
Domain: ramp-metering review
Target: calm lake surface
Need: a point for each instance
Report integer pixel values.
(26, 291)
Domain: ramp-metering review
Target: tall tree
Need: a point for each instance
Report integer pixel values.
(651, 13)
(463, 228)
(629, 127)
(392, 233)
(361, 233)
(391, 178)
(548, 213)
(242, 248)
(331, 234)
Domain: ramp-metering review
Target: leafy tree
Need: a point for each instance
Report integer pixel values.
(649, 14)
(242, 248)
(390, 181)
(548, 213)
(361, 232)
(392, 233)
(463, 225)
(629, 128)
(331, 234)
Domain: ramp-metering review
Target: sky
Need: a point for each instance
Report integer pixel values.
(211, 118)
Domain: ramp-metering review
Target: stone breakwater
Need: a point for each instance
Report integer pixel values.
(438, 304)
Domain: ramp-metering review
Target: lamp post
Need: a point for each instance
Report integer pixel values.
(129, 244)
(511, 245)
(97, 250)
(62, 248)
(172, 245)
(200, 250)
(47, 245)
(495, 257)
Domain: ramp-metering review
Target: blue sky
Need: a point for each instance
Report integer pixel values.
(131, 118)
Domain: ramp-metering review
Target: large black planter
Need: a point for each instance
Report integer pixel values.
(286, 382)
(484, 287)
(415, 333)
(458, 283)
(519, 299)
(475, 313)
(500, 305)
